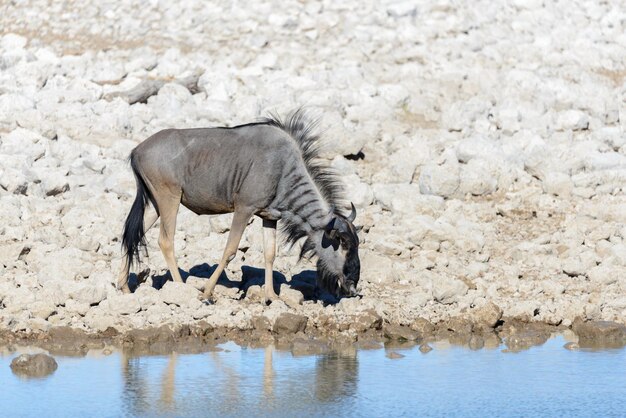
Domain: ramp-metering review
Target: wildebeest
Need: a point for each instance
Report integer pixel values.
(270, 169)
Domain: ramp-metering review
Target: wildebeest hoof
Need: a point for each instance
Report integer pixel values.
(270, 297)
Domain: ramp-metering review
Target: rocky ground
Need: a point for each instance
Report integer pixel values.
(482, 143)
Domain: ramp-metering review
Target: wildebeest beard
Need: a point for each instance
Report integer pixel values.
(328, 280)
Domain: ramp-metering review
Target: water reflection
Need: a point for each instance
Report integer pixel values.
(545, 380)
(336, 376)
(232, 379)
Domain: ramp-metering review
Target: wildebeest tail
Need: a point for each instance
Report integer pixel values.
(133, 237)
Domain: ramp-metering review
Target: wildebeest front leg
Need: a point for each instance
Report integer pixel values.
(150, 218)
(240, 221)
(269, 248)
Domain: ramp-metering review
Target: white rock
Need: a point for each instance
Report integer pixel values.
(406, 199)
(100, 322)
(440, 180)
(18, 299)
(604, 275)
(394, 94)
(462, 114)
(401, 9)
(290, 296)
(477, 147)
(12, 41)
(508, 119)
(42, 309)
(572, 120)
(124, 304)
(89, 293)
(180, 294)
(339, 139)
(221, 223)
(447, 290)
(558, 184)
(358, 192)
(478, 177)
(416, 300)
(605, 160)
(80, 308)
(159, 313)
(378, 269)
(11, 105)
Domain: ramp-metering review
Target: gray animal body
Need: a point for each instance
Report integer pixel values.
(267, 169)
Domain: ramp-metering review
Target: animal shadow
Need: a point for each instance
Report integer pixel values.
(200, 270)
(304, 282)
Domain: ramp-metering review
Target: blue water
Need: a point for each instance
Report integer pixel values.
(547, 381)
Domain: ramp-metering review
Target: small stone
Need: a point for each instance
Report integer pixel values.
(400, 332)
(89, 294)
(261, 323)
(571, 346)
(124, 304)
(288, 323)
(558, 184)
(291, 297)
(72, 306)
(476, 342)
(425, 348)
(439, 180)
(255, 293)
(423, 326)
(366, 320)
(526, 339)
(446, 290)
(600, 333)
(34, 365)
(180, 294)
(572, 119)
(393, 355)
(486, 317)
(42, 309)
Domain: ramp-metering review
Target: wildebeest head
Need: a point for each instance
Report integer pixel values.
(338, 265)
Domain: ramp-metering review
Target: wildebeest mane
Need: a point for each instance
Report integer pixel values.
(304, 132)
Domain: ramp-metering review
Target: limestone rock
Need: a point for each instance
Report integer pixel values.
(447, 290)
(33, 365)
(399, 332)
(486, 317)
(180, 294)
(440, 180)
(124, 304)
(290, 296)
(288, 323)
(600, 333)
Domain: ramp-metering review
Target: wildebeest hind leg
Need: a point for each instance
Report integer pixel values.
(269, 249)
(168, 210)
(240, 221)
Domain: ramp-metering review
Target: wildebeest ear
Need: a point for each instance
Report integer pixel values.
(330, 231)
(329, 238)
(358, 228)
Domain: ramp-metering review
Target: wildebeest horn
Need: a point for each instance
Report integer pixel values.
(352, 215)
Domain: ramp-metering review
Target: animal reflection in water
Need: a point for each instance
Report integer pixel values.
(150, 387)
